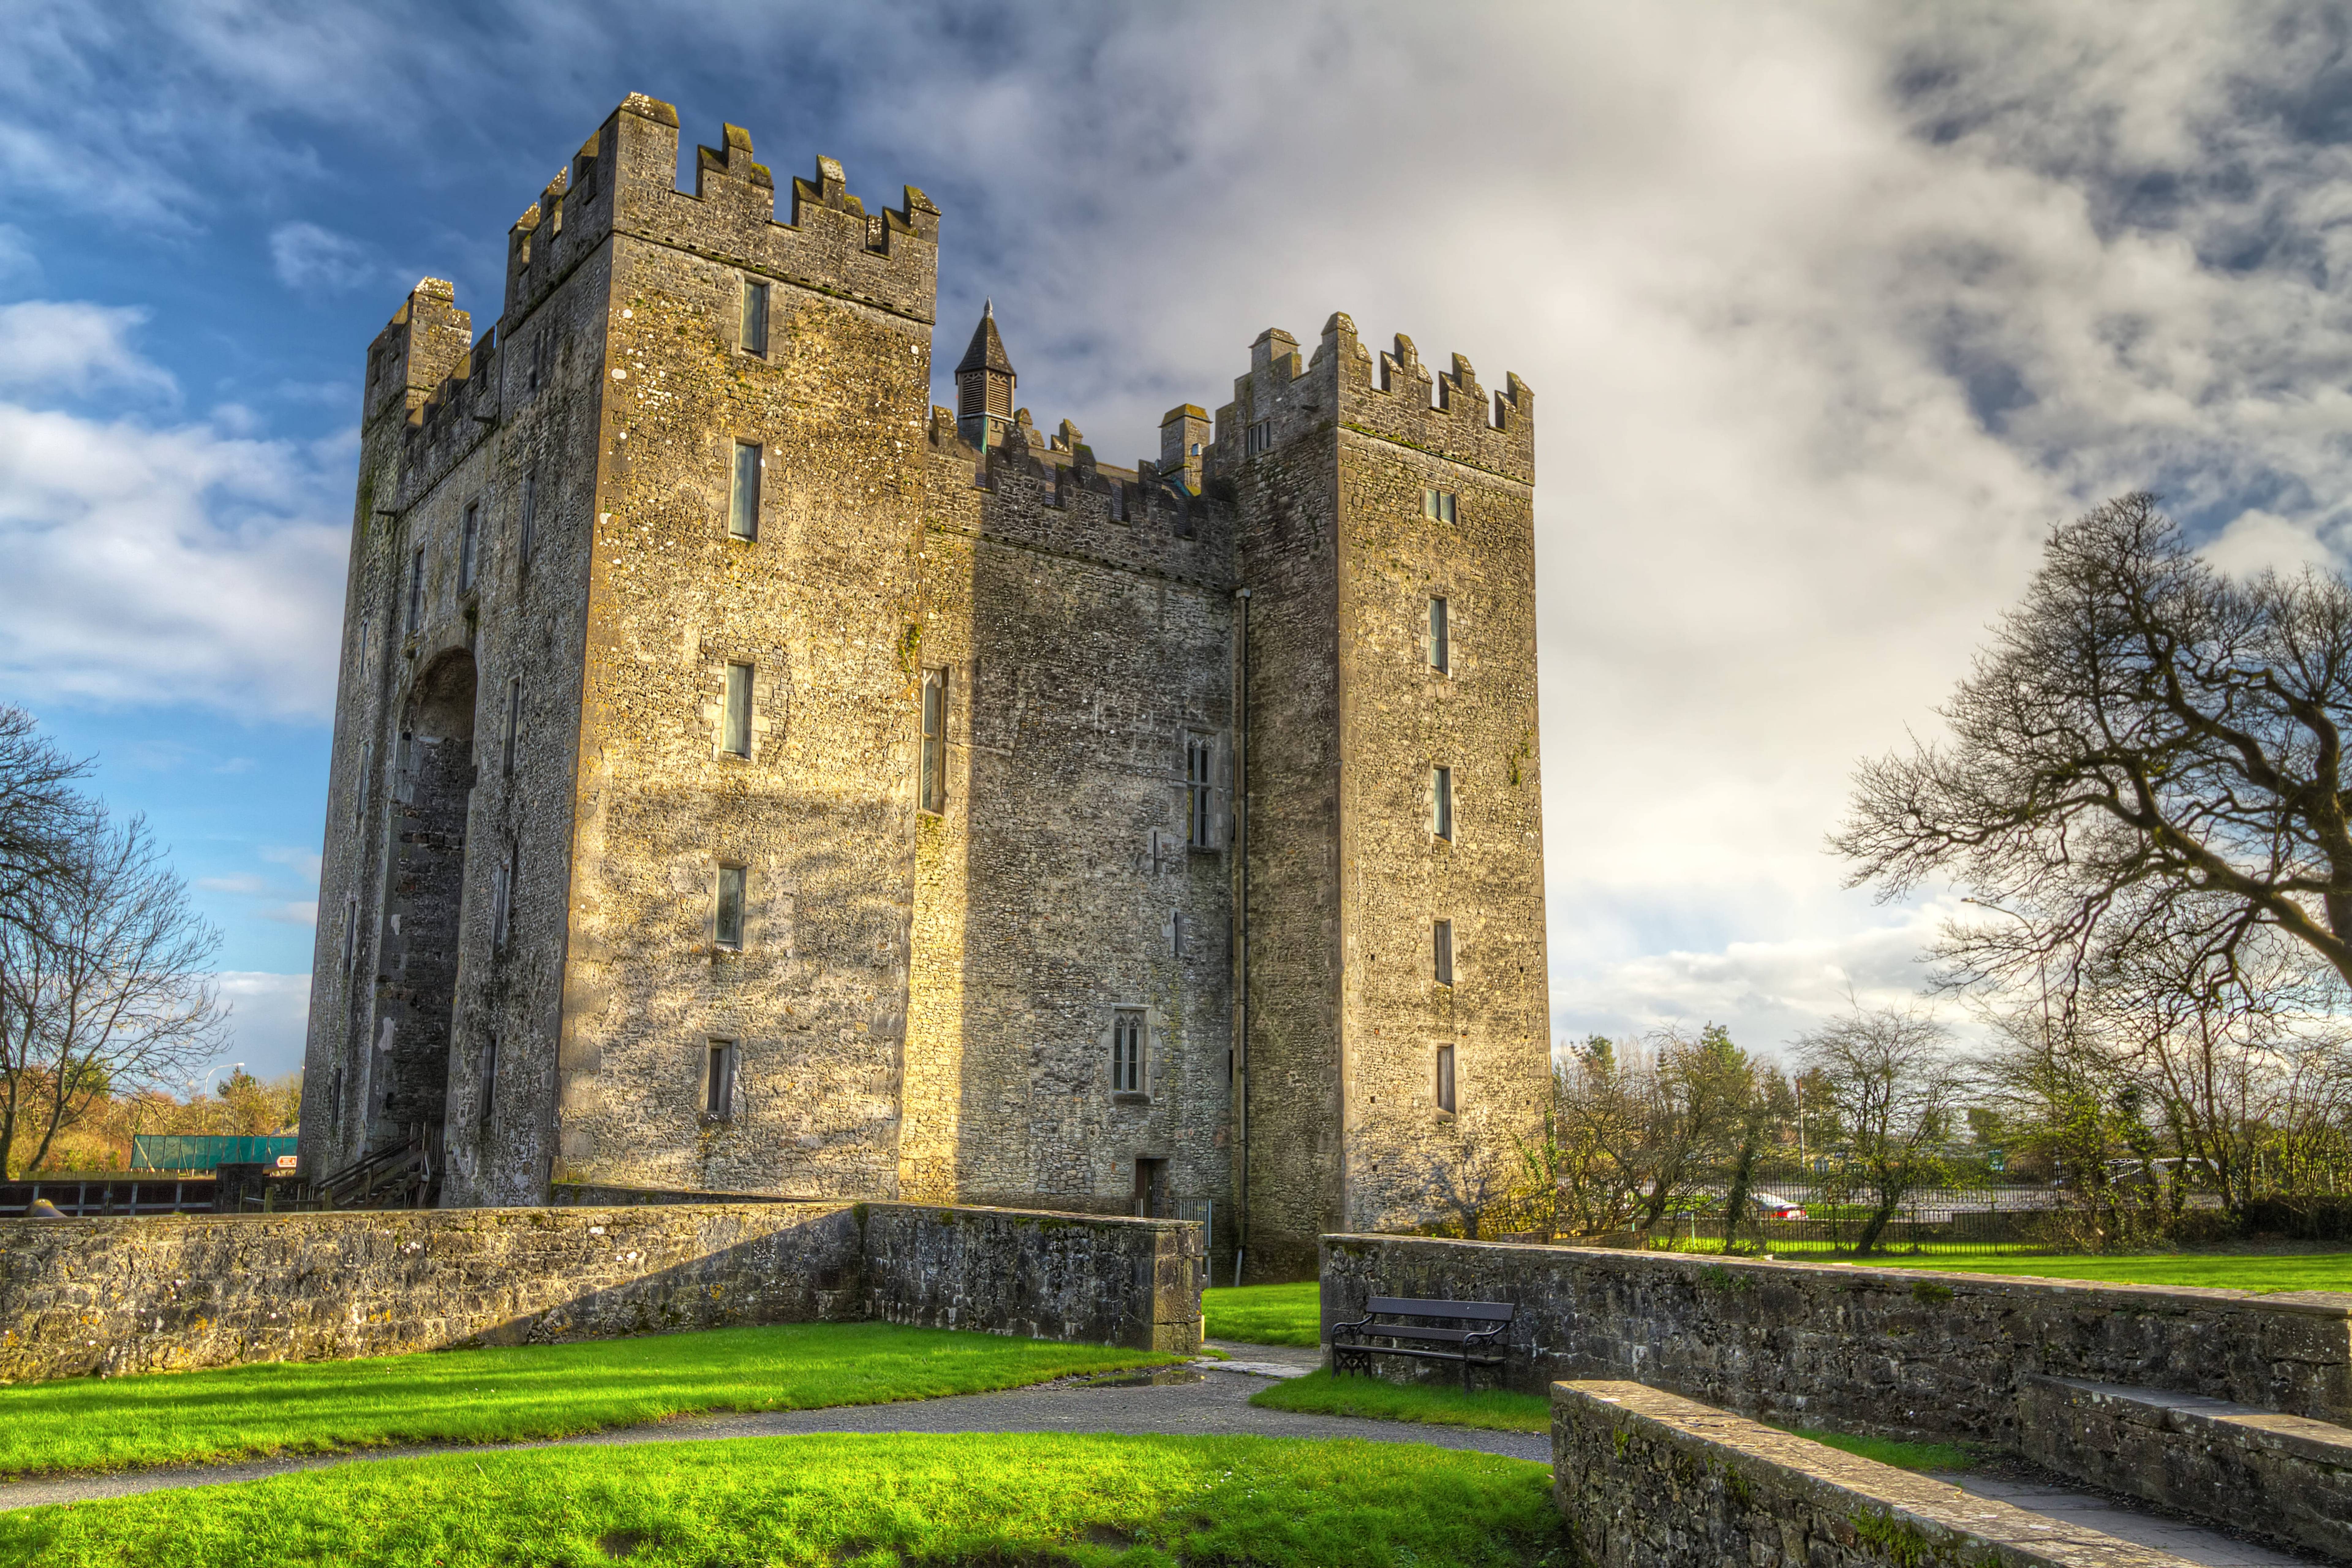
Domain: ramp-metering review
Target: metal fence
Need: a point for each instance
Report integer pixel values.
(116, 1194)
(1828, 1204)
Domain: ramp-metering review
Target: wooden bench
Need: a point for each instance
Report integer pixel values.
(1352, 1346)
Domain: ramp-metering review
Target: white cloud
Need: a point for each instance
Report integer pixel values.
(269, 1018)
(304, 863)
(270, 892)
(308, 258)
(167, 565)
(57, 349)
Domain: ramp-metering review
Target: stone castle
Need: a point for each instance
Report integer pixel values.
(749, 777)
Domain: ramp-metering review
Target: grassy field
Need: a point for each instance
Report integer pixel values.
(2257, 1271)
(1266, 1314)
(2226, 1270)
(497, 1395)
(872, 1501)
(1321, 1394)
(1888, 1451)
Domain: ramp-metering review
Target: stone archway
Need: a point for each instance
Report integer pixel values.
(425, 899)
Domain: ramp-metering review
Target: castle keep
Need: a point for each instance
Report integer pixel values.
(749, 777)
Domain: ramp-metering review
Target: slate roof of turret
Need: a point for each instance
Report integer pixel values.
(987, 350)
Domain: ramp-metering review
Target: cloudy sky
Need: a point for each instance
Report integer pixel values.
(1832, 311)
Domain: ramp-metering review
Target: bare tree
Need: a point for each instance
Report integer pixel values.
(41, 814)
(2144, 742)
(105, 984)
(1896, 1086)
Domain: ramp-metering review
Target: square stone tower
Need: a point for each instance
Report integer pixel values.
(1395, 1008)
(750, 778)
(619, 845)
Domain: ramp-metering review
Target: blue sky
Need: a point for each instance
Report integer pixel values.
(1831, 313)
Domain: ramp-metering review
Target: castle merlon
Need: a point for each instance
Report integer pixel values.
(420, 348)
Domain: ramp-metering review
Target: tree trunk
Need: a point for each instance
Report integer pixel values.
(1875, 1225)
(1743, 1175)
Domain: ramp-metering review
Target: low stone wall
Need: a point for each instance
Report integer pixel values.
(2287, 1477)
(1647, 1479)
(1111, 1280)
(1903, 1353)
(159, 1294)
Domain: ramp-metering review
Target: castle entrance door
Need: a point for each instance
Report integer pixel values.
(1151, 1189)
(425, 897)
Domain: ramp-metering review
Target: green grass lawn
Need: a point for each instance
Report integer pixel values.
(1266, 1314)
(2227, 1271)
(523, 1391)
(1888, 1451)
(872, 1501)
(1321, 1394)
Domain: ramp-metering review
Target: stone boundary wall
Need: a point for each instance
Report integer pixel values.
(158, 1294)
(1647, 1479)
(1901, 1352)
(2287, 1477)
(1110, 1279)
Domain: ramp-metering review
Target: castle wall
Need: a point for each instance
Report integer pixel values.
(531, 618)
(1410, 1160)
(1347, 1012)
(451, 428)
(427, 338)
(1083, 652)
(821, 605)
(1286, 552)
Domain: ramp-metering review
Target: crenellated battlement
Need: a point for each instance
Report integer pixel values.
(1051, 491)
(1393, 396)
(425, 341)
(623, 181)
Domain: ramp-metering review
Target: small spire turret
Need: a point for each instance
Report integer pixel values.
(984, 384)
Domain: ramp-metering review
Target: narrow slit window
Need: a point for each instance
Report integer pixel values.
(728, 922)
(360, 664)
(735, 737)
(530, 517)
(1441, 654)
(719, 1079)
(1200, 794)
(1445, 1079)
(1441, 802)
(1437, 505)
(755, 316)
(1126, 1052)
(1441, 951)
(743, 504)
(514, 726)
(359, 784)
(1176, 935)
(468, 542)
(935, 741)
(502, 897)
(490, 1081)
(416, 590)
(351, 930)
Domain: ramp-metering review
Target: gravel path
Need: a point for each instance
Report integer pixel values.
(1214, 1401)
